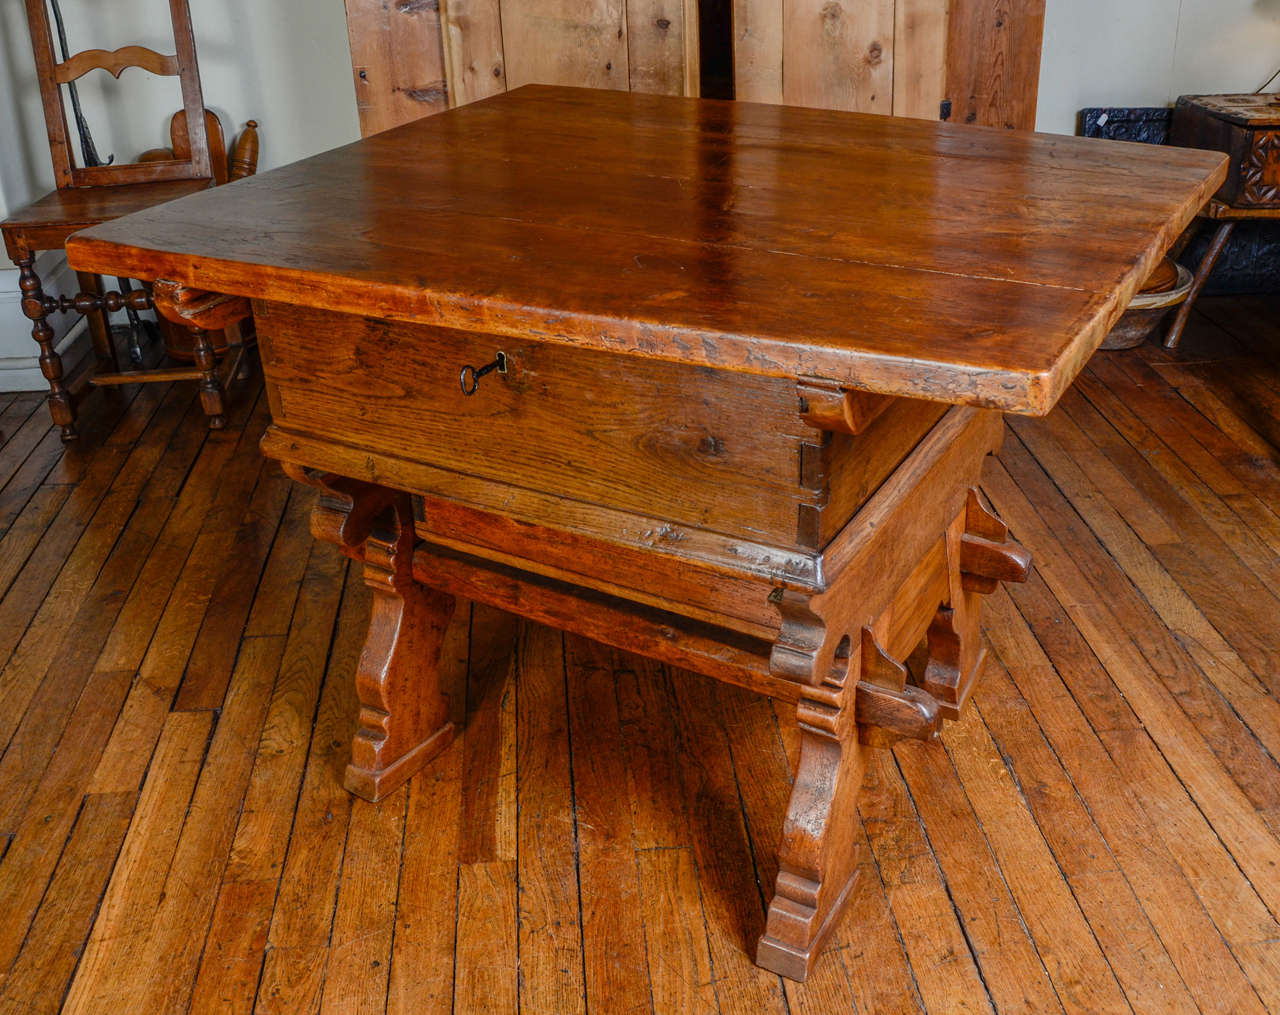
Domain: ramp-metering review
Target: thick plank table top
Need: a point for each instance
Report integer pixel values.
(962, 264)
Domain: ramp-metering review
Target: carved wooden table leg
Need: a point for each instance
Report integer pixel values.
(869, 699)
(816, 859)
(61, 407)
(404, 710)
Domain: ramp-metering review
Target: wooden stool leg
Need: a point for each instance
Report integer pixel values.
(61, 407)
(404, 714)
(212, 396)
(99, 324)
(817, 860)
(1216, 246)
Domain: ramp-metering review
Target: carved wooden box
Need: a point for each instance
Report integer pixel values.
(1246, 127)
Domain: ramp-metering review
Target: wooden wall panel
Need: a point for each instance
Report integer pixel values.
(414, 57)
(920, 58)
(757, 50)
(397, 61)
(838, 54)
(993, 61)
(565, 42)
(906, 57)
(660, 42)
(473, 52)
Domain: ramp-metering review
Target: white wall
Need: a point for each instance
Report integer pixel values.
(284, 63)
(1148, 52)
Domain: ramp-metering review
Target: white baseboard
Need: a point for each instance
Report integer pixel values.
(19, 354)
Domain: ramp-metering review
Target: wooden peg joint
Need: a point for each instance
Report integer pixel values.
(987, 554)
(824, 405)
(348, 509)
(886, 707)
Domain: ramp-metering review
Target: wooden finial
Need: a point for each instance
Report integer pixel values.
(244, 156)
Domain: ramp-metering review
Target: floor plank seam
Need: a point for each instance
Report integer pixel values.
(946, 886)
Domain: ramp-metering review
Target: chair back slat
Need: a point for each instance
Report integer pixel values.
(54, 74)
(115, 62)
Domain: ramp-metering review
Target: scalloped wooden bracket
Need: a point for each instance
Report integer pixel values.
(886, 707)
(347, 510)
(956, 653)
(802, 651)
(987, 555)
(115, 62)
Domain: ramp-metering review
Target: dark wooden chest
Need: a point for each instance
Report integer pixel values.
(1246, 127)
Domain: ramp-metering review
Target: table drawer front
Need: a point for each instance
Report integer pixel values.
(700, 447)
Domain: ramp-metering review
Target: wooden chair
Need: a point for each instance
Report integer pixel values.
(90, 194)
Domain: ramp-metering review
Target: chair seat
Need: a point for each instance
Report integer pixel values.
(46, 223)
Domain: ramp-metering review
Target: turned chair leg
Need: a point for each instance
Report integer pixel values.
(99, 324)
(212, 395)
(1216, 247)
(61, 407)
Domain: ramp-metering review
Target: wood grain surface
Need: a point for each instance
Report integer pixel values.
(396, 62)
(896, 256)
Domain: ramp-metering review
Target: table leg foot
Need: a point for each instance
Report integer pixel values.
(404, 713)
(817, 860)
(375, 784)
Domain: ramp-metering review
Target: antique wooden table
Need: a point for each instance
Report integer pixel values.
(733, 373)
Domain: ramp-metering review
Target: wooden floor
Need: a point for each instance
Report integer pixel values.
(1099, 835)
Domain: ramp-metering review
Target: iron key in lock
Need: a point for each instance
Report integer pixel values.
(469, 376)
